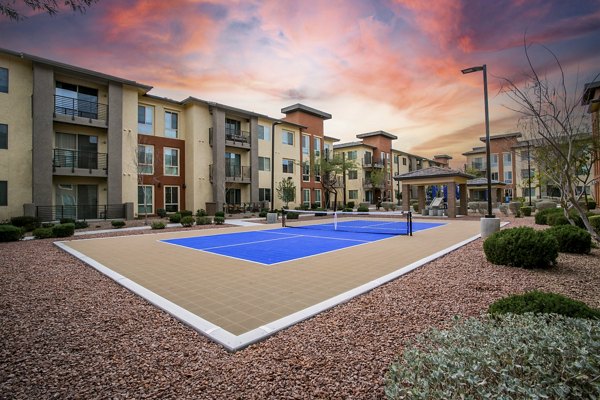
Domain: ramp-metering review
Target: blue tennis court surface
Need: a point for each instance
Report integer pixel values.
(284, 244)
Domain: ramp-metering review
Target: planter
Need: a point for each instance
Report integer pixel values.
(271, 218)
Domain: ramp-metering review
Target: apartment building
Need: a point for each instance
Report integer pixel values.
(591, 99)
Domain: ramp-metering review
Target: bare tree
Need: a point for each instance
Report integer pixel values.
(553, 119)
(331, 170)
(286, 191)
(10, 9)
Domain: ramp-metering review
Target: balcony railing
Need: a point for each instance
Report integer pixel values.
(368, 183)
(79, 159)
(237, 172)
(80, 211)
(80, 108)
(370, 162)
(237, 136)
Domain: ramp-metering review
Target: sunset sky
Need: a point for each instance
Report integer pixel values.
(374, 65)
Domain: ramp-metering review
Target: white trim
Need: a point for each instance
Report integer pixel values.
(165, 161)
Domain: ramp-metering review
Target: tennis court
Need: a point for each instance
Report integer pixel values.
(204, 279)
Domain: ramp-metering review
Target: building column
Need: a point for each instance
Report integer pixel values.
(405, 197)
(218, 149)
(463, 202)
(116, 158)
(254, 160)
(421, 197)
(43, 110)
(451, 200)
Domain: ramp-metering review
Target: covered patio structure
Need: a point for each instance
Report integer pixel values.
(433, 176)
(478, 190)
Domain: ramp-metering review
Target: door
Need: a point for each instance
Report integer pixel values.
(87, 201)
(87, 147)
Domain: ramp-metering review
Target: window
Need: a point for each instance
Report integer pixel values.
(403, 160)
(526, 192)
(306, 171)
(525, 173)
(263, 133)
(478, 163)
(328, 151)
(171, 124)
(3, 136)
(171, 161)
(145, 120)
(172, 198)
(71, 150)
(508, 176)
(306, 196)
(396, 159)
(494, 176)
(145, 159)
(287, 137)
(352, 155)
(317, 173)
(233, 165)
(264, 164)
(494, 160)
(233, 128)
(145, 199)
(507, 159)
(233, 196)
(525, 155)
(288, 166)
(318, 197)
(77, 100)
(353, 174)
(264, 194)
(305, 144)
(317, 147)
(353, 194)
(3, 80)
(367, 160)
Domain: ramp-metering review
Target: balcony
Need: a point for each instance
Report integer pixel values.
(72, 110)
(237, 138)
(79, 163)
(370, 162)
(234, 173)
(80, 212)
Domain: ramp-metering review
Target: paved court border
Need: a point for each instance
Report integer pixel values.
(237, 342)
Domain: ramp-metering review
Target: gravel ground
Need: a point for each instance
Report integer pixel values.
(69, 332)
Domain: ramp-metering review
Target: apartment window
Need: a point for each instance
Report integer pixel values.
(403, 160)
(525, 173)
(317, 147)
(507, 159)
(396, 159)
(478, 163)
(171, 161)
(306, 196)
(353, 194)
(233, 127)
(145, 120)
(172, 198)
(263, 133)
(318, 197)
(494, 176)
(145, 159)
(171, 124)
(306, 171)
(264, 194)
(353, 174)
(288, 166)
(305, 145)
(526, 192)
(287, 137)
(508, 176)
(80, 151)
(494, 160)
(145, 199)
(317, 173)
(76, 100)
(525, 155)
(352, 155)
(3, 80)
(233, 196)
(264, 164)
(328, 151)
(3, 136)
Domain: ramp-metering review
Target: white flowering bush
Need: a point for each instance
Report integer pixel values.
(509, 356)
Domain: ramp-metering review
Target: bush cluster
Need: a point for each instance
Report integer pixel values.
(363, 209)
(26, 222)
(541, 215)
(201, 213)
(595, 222)
(350, 204)
(522, 247)
(505, 356)
(161, 212)
(63, 230)
(591, 204)
(556, 219)
(571, 239)
(157, 225)
(543, 303)
(219, 220)
(220, 214)
(117, 223)
(187, 221)
(203, 221)
(292, 215)
(185, 213)
(526, 211)
(262, 214)
(42, 233)
(10, 233)
(175, 218)
(81, 224)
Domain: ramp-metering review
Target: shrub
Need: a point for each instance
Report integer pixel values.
(63, 230)
(201, 213)
(42, 233)
(219, 220)
(591, 204)
(544, 205)
(10, 233)
(362, 209)
(186, 213)
(554, 219)
(81, 224)
(175, 218)
(350, 204)
(47, 224)
(526, 211)
(522, 247)
(161, 212)
(541, 215)
(157, 225)
(571, 239)
(595, 222)
(262, 214)
(26, 222)
(292, 215)
(220, 214)
(67, 221)
(117, 223)
(203, 221)
(543, 303)
(505, 356)
(187, 221)
(348, 209)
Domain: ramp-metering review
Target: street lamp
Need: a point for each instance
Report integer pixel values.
(487, 135)
(273, 164)
(529, 169)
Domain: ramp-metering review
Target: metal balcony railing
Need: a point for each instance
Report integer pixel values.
(238, 136)
(80, 108)
(237, 172)
(79, 159)
(80, 211)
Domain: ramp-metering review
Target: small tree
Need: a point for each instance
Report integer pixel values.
(331, 170)
(286, 191)
(377, 180)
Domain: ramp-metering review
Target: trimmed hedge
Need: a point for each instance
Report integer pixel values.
(42, 233)
(595, 222)
(220, 214)
(526, 211)
(157, 225)
(63, 230)
(10, 233)
(201, 213)
(292, 215)
(81, 224)
(543, 303)
(187, 221)
(219, 220)
(175, 218)
(571, 239)
(522, 247)
(186, 213)
(203, 220)
(67, 221)
(591, 205)
(161, 212)
(117, 223)
(541, 216)
(362, 209)
(556, 219)
(26, 222)
(262, 214)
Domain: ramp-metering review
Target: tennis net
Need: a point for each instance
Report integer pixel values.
(387, 223)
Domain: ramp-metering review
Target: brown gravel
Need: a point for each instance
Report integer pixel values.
(69, 332)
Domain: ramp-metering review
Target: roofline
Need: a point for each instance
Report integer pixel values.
(502, 136)
(467, 153)
(306, 109)
(73, 68)
(443, 156)
(376, 133)
(331, 138)
(352, 144)
(588, 92)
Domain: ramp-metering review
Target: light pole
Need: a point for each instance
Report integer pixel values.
(529, 169)
(273, 163)
(487, 135)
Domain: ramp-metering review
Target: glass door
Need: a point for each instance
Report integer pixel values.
(87, 201)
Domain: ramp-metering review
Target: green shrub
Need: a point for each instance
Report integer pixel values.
(595, 222)
(543, 303)
(186, 213)
(526, 210)
(501, 357)
(187, 221)
(571, 239)
(348, 209)
(42, 233)
(10, 233)
(350, 204)
(591, 204)
(541, 215)
(161, 212)
(219, 220)
(262, 214)
(220, 214)
(522, 247)
(292, 215)
(362, 209)
(26, 222)
(81, 224)
(201, 213)
(555, 219)
(203, 221)
(175, 218)
(63, 230)
(157, 225)
(117, 223)
(47, 224)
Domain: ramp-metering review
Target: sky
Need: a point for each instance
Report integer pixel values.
(391, 65)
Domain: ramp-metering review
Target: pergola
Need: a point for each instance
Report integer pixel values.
(435, 176)
(480, 185)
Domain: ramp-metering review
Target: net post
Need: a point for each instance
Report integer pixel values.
(283, 217)
(409, 223)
